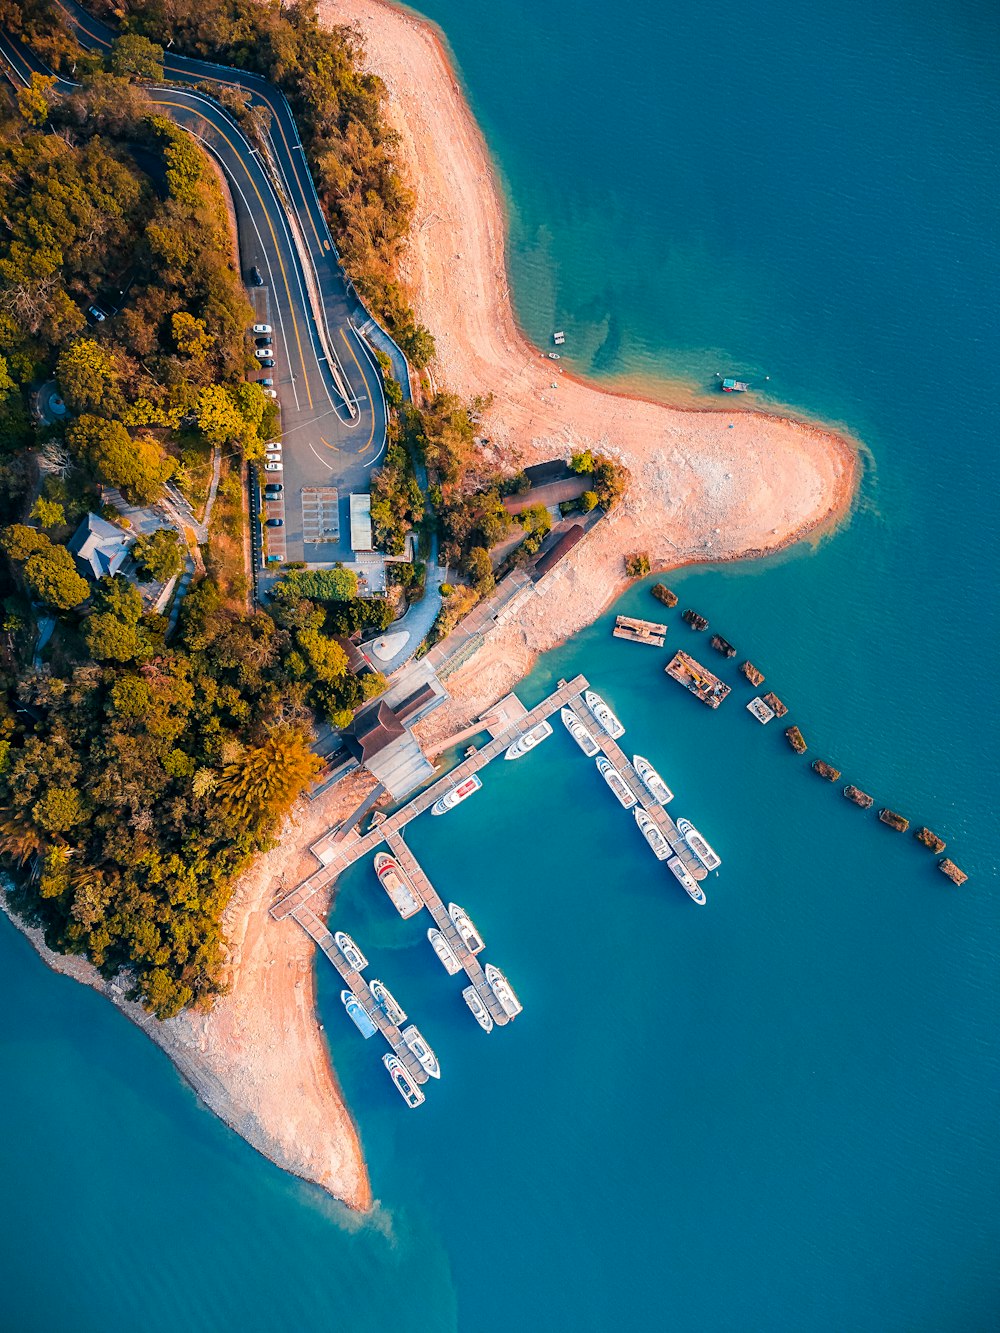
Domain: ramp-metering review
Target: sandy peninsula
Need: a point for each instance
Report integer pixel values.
(705, 486)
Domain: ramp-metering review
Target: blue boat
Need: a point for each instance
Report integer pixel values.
(359, 1014)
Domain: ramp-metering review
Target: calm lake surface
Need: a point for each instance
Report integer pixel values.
(775, 1113)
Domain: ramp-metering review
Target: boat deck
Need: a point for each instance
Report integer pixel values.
(640, 631)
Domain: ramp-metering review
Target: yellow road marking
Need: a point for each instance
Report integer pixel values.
(371, 434)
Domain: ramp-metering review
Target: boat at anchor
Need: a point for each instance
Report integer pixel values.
(693, 890)
(616, 782)
(526, 743)
(358, 1014)
(350, 950)
(444, 951)
(394, 880)
(655, 837)
(706, 854)
(579, 733)
(405, 1085)
(652, 781)
(387, 1002)
(604, 715)
(503, 990)
(420, 1048)
(479, 1011)
(456, 796)
(471, 937)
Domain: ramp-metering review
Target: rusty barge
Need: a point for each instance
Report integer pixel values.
(698, 680)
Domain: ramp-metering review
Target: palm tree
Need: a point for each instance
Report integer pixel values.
(260, 789)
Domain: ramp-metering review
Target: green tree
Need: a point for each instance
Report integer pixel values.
(114, 632)
(136, 57)
(190, 335)
(159, 554)
(7, 382)
(48, 513)
(52, 577)
(480, 570)
(35, 100)
(588, 501)
(137, 466)
(59, 810)
(88, 376)
(20, 541)
(260, 789)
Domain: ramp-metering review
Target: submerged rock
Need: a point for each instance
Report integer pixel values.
(796, 740)
(899, 822)
(929, 839)
(663, 594)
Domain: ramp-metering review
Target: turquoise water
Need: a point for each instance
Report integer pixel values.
(776, 1113)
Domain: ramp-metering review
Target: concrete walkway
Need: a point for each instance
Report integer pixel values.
(416, 623)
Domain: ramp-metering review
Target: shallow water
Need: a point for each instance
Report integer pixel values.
(774, 1113)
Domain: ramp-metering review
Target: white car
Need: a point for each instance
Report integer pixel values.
(273, 446)
(262, 353)
(274, 467)
(272, 458)
(262, 328)
(270, 393)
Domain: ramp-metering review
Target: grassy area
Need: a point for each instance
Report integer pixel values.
(225, 556)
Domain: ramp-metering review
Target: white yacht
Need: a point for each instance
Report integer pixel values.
(360, 1016)
(444, 951)
(387, 1002)
(579, 733)
(405, 1085)
(616, 782)
(691, 888)
(652, 781)
(394, 880)
(654, 836)
(603, 714)
(350, 951)
(706, 854)
(474, 942)
(421, 1050)
(456, 796)
(527, 742)
(479, 1011)
(503, 990)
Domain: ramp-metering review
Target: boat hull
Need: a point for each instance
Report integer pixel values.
(421, 1049)
(456, 796)
(705, 853)
(358, 1014)
(652, 781)
(616, 782)
(603, 714)
(402, 1082)
(471, 937)
(393, 879)
(444, 952)
(504, 991)
(387, 1002)
(478, 1009)
(579, 733)
(655, 839)
(350, 950)
(690, 887)
(529, 741)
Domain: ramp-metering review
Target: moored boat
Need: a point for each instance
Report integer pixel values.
(387, 1002)
(579, 733)
(616, 782)
(394, 880)
(405, 1085)
(604, 715)
(527, 742)
(471, 937)
(652, 781)
(654, 836)
(350, 950)
(456, 796)
(479, 1011)
(444, 952)
(358, 1014)
(421, 1049)
(503, 990)
(734, 386)
(693, 890)
(706, 854)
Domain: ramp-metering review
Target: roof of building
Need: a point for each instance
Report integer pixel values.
(414, 702)
(100, 547)
(372, 731)
(554, 470)
(546, 562)
(361, 523)
(357, 663)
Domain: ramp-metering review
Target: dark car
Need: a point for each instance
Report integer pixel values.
(273, 488)
(255, 277)
(266, 362)
(275, 522)
(263, 342)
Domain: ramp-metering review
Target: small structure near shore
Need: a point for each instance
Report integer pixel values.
(698, 680)
(693, 619)
(759, 709)
(826, 770)
(930, 840)
(859, 797)
(775, 705)
(754, 676)
(895, 821)
(663, 594)
(722, 646)
(640, 631)
(949, 868)
(796, 740)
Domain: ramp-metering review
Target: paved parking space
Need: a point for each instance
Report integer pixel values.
(320, 516)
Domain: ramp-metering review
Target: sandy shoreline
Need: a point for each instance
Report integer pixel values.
(707, 485)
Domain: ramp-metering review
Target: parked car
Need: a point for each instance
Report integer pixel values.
(272, 447)
(273, 467)
(96, 313)
(267, 383)
(262, 328)
(255, 277)
(275, 523)
(269, 393)
(266, 365)
(272, 458)
(262, 353)
(263, 342)
(273, 488)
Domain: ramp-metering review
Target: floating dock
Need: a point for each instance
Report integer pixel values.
(697, 679)
(760, 710)
(640, 631)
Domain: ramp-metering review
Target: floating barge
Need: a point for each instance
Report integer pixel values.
(859, 797)
(826, 770)
(930, 840)
(694, 619)
(760, 710)
(775, 705)
(640, 631)
(949, 868)
(755, 677)
(722, 646)
(796, 740)
(734, 386)
(698, 680)
(663, 594)
(899, 822)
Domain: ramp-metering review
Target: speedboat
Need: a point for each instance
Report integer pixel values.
(471, 937)
(604, 715)
(387, 1002)
(456, 796)
(616, 782)
(479, 1011)
(693, 890)
(405, 1085)
(706, 854)
(358, 1013)
(350, 951)
(652, 781)
(579, 733)
(527, 742)
(444, 952)
(394, 880)
(504, 991)
(421, 1050)
(654, 836)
